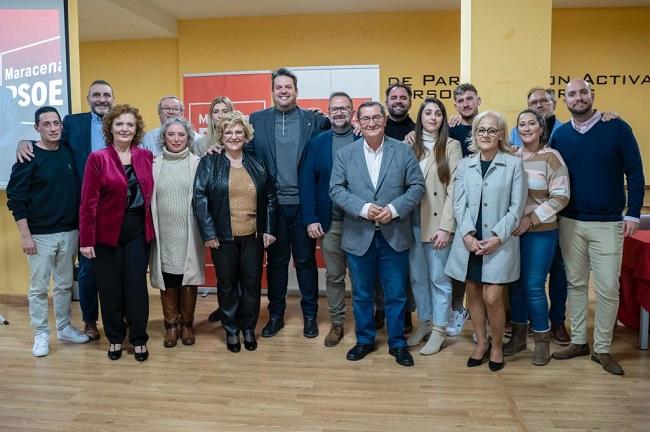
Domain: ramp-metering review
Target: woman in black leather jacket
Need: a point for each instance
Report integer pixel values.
(235, 206)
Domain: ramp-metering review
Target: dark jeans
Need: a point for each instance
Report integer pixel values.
(557, 289)
(87, 290)
(122, 284)
(238, 266)
(392, 268)
(292, 240)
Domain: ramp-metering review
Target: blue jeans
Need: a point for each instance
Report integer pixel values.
(557, 289)
(292, 240)
(392, 268)
(87, 290)
(528, 296)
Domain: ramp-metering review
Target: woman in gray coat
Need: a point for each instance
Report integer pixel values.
(489, 198)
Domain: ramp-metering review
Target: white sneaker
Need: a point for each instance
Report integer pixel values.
(71, 334)
(41, 346)
(456, 322)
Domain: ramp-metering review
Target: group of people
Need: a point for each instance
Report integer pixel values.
(419, 213)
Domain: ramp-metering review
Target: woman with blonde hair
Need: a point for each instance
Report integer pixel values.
(236, 206)
(489, 199)
(220, 105)
(176, 261)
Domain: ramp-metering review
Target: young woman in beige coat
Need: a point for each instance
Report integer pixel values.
(438, 155)
(176, 260)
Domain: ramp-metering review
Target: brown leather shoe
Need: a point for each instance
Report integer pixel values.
(559, 333)
(169, 299)
(334, 335)
(90, 329)
(573, 350)
(608, 363)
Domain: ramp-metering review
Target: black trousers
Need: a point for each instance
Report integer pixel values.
(121, 281)
(238, 266)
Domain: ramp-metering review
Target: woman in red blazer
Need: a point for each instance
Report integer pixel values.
(115, 227)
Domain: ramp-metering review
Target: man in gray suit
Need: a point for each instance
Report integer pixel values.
(281, 136)
(377, 182)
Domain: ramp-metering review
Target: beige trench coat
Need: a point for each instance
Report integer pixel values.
(194, 273)
(437, 206)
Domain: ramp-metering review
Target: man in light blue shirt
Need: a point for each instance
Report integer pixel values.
(169, 106)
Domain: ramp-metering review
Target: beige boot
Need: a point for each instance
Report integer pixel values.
(436, 341)
(542, 352)
(421, 334)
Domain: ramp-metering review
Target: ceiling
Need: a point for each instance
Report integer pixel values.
(147, 19)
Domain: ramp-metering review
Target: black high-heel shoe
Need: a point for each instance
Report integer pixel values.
(249, 340)
(496, 366)
(115, 354)
(232, 343)
(472, 362)
(142, 355)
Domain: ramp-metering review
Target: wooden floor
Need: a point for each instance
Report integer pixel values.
(295, 384)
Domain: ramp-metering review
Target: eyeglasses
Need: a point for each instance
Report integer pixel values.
(491, 132)
(539, 102)
(170, 109)
(342, 109)
(376, 118)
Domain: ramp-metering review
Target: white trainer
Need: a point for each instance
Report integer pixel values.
(71, 334)
(456, 322)
(41, 346)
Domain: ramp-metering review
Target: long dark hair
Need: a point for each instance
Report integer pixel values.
(440, 146)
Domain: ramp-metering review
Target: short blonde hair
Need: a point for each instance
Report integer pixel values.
(213, 138)
(504, 143)
(229, 119)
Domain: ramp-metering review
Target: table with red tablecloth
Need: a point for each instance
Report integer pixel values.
(635, 279)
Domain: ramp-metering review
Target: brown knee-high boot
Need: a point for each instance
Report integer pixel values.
(188, 304)
(169, 298)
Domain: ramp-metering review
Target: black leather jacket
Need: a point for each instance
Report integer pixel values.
(211, 201)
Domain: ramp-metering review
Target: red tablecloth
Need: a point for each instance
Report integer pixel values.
(635, 278)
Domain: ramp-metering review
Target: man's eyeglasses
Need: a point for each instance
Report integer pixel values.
(170, 109)
(366, 119)
(343, 109)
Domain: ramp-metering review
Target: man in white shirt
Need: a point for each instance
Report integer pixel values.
(378, 183)
(168, 107)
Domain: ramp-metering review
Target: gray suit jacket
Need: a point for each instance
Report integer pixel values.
(400, 183)
(502, 196)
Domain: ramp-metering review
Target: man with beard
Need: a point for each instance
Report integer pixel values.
(82, 134)
(600, 157)
(324, 220)
(281, 136)
(398, 103)
(466, 102)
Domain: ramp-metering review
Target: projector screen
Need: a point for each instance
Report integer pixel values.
(34, 70)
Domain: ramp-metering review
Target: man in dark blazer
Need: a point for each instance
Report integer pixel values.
(378, 183)
(281, 136)
(83, 134)
(323, 220)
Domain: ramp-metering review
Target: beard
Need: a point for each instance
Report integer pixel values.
(580, 111)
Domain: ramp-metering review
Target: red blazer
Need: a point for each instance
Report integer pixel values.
(104, 195)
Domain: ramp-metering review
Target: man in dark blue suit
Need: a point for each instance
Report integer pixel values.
(82, 133)
(281, 136)
(324, 220)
